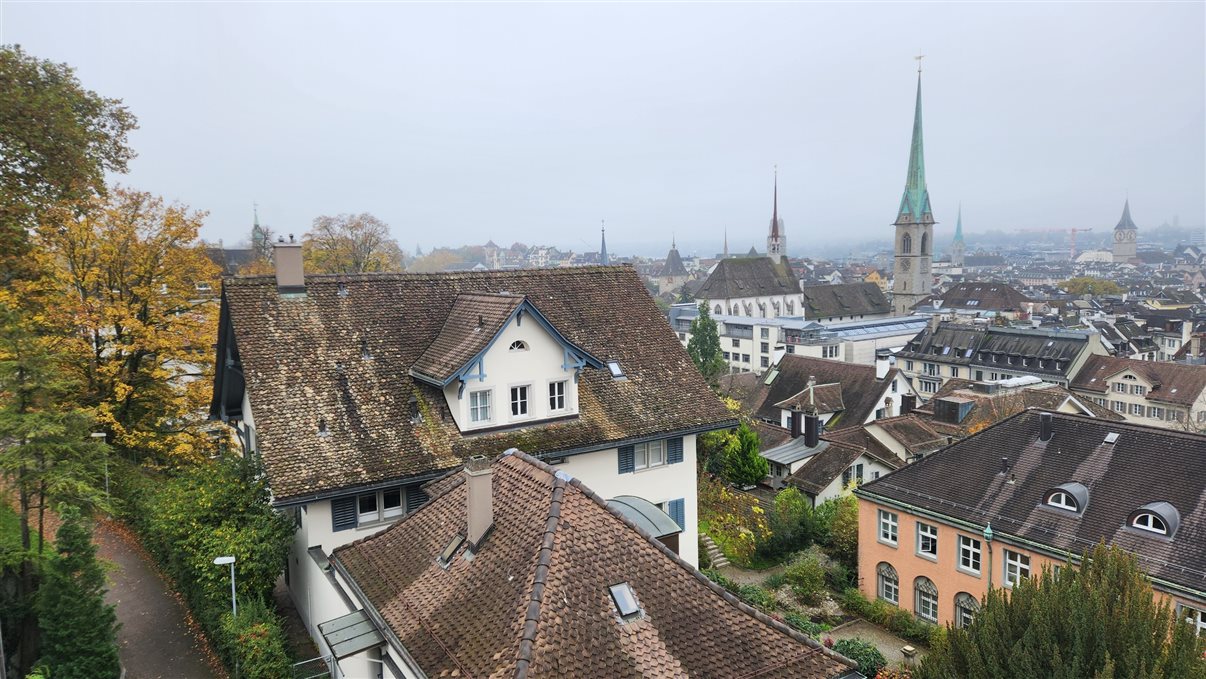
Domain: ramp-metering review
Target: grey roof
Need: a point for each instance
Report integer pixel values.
(674, 265)
(846, 299)
(794, 450)
(1020, 350)
(350, 634)
(1126, 222)
(749, 277)
(645, 515)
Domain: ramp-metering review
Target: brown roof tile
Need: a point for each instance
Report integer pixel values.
(472, 323)
(534, 600)
(860, 390)
(341, 354)
(1172, 382)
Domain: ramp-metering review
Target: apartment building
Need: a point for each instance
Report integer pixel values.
(1168, 395)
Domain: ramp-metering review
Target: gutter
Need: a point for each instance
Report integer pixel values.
(1041, 548)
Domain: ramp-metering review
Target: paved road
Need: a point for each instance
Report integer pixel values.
(155, 642)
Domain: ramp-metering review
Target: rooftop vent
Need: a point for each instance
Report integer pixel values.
(1045, 427)
(1111, 437)
(625, 601)
(322, 427)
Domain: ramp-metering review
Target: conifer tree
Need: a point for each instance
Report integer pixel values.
(79, 630)
(744, 465)
(1100, 620)
(704, 346)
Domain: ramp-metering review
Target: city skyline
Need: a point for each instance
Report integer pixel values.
(461, 128)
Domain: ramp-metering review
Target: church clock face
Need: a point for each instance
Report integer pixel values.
(904, 264)
(1119, 236)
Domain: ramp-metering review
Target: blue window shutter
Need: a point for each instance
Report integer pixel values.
(343, 513)
(415, 497)
(676, 512)
(627, 459)
(674, 448)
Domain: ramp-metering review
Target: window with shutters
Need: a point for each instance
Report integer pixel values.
(374, 508)
(650, 454)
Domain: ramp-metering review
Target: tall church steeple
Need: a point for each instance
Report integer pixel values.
(603, 258)
(1125, 236)
(957, 248)
(912, 280)
(776, 241)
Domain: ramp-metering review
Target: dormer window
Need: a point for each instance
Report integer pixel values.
(518, 345)
(1062, 500)
(1160, 518)
(1071, 497)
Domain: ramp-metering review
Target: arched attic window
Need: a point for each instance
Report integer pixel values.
(518, 345)
(1160, 518)
(1072, 497)
(906, 244)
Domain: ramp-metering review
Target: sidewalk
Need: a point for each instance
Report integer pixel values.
(155, 638)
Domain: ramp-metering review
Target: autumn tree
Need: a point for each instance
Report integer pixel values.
(704, 346)
(1101, 620)
(1088, 285)
(435, 261)
(129, 268)
(350, 244)
(57, 141)
(79, 630)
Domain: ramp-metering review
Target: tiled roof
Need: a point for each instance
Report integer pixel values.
(749, 277)
(1145, 464)
(342, 354)
(826, 397)
(983, 297)
(988, 409)
(673, 266)
(1016, 350)
(534, 600)
(860, 390)
(822, 468)
(472, 323)
(1171, 382)
(913, 432)
(846, 299)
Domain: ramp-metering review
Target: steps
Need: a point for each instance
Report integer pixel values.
(715, 556)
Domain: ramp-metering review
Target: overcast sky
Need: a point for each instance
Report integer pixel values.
(458, 123)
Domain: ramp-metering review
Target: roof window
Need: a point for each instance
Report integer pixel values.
(322, 427)
(625, 601)
(1072, 497)
(1111, 437)
(616, 371)
(1160, 518)
(454, 544)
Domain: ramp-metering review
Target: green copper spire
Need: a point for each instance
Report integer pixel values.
(959, 225)
(915, 203)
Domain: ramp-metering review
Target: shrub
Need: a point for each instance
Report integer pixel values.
(255, 639)
(896, 620)
(791, 525)
(735, 521)
(868, 657)
(743, 465)
(775, 581)
(838, 576)
(719, 578)
(705, 561)
(899, 672)
(803, 624)
(807, 579)
(756, 596)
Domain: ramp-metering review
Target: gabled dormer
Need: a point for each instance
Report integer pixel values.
(501, 363)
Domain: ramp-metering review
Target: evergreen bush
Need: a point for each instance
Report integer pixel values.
(868, 657)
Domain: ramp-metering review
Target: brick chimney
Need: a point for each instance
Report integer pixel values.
(479, 505)
(290, 275)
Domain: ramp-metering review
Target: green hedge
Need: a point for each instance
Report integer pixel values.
(870, 660)
(219, 509)
(897, 620)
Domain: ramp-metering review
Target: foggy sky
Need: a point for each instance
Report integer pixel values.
(533, 122)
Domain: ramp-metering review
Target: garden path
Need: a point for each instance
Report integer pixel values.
(889, 644)
(746, 576)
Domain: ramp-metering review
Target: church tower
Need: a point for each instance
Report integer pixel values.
(912, 281)
(603, 258)
(957, 247)
(776, 241)
(1125, 235)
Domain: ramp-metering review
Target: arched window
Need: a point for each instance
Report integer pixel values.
(925, 599)
(925, 238)
(889, 583)
(518, 345)
(966, 608)
(1062, 500)
(717, 310)
(906, 244)
(1150, 522)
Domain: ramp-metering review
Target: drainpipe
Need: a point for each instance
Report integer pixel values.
(988, 539)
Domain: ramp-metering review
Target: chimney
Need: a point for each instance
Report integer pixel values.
(1195, 346)
(1004, 465)
(290, 276)
(812, 430)
(479, 505)
(1045, 426)
(935, 319)
(907, 403)
(796, 422)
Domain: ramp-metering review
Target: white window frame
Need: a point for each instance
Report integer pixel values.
(1193, 616)
(381, 513)
(643, 458)
(887, 586)
(970, 551)
(1016, 566)
(1137, 409)
(927, 533)
(925, 604)
(520, 396)
(558, 394)
(1150, 524)
(889, 523)
(1062, 500)
(479, 407)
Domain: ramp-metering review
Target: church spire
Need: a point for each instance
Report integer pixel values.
(603, 259)
(776, 242)
(959, 225)
(726, 242)
(915, 203)
(775, 208)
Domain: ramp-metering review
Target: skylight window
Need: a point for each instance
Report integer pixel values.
(616, 371)
(625, 601)
(1111, 437)
(450, 550)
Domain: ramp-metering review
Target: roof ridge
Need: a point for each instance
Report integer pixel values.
(531, 623)
(262, 279)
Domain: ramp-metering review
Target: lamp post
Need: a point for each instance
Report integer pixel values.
(224, 561)
(100, 437)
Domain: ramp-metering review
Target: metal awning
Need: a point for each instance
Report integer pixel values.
(645, 514)
(350, 634)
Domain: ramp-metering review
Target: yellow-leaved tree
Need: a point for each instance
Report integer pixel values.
(135, 285)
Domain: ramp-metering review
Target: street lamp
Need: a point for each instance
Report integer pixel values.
(230, 560)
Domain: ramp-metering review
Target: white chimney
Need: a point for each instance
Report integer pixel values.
(479, 503)
(290, 274)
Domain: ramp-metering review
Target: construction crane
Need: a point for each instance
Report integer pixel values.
(1071, 237)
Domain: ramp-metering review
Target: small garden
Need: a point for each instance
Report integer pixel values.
(793, 561)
